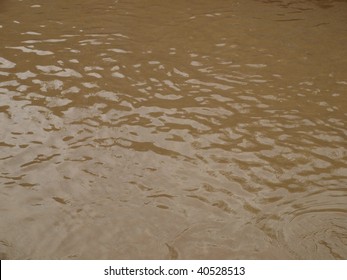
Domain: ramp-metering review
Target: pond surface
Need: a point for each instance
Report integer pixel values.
(173, 129)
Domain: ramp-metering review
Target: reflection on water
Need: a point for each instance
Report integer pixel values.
(173, 129)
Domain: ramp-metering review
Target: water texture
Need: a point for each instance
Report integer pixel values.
(173, 129)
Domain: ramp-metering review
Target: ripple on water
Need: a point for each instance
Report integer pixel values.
(203, 138)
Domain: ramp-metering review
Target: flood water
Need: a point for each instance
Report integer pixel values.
(179, 129)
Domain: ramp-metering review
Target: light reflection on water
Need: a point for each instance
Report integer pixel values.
(193, 129)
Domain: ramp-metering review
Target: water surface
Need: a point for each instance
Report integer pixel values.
(173, 129)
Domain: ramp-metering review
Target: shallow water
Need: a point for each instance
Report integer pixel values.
(173, 129)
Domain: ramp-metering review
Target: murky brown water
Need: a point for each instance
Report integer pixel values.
(173, 129)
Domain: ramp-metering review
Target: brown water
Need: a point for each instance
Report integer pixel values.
(173, 129)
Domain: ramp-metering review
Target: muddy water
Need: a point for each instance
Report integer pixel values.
(173, 129)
